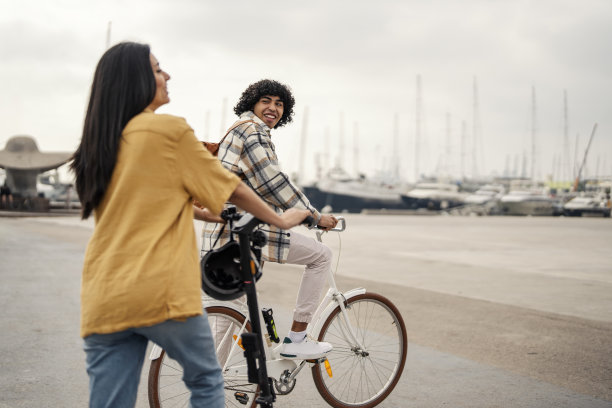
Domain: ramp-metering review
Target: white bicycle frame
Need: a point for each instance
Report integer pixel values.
(276, 364)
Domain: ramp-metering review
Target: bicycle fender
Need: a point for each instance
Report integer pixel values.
(214, 302)
(239, 304)
(331, 306)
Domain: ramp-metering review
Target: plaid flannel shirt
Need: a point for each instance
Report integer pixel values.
(248, 152)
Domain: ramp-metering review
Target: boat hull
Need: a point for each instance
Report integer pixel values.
(529, 207)
(587, 206)
(352, 203)
(430, 203)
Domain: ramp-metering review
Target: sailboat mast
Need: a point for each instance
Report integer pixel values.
(586, 152)
(447, 147)
(395, 160)
(476, 133)
(302, 152)
(533, 133)
(340, 157)
(326, 156)
(223, 109)
(356, 148)
(463, 140)
(417, 136)
(108, 34)
(575, 166)
(506, 172)
(565, 176)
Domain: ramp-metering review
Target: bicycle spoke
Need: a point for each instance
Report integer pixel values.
(181, 403)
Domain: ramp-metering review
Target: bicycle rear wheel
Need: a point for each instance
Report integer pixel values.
(362, 378)
(166, 387)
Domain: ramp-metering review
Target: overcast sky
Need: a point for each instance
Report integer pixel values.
(352, 64)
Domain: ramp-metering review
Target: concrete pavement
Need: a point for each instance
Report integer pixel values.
(501, 311)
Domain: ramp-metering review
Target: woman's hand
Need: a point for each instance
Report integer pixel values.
(293, 217)
(204, 214)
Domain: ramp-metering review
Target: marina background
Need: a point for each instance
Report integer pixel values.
(353, 67)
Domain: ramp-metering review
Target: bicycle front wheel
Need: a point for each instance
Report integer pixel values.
(166, 386)
(362, 378)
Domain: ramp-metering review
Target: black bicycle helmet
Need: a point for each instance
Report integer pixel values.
(221, 273)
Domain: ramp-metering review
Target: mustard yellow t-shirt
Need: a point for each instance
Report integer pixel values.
(141, 266)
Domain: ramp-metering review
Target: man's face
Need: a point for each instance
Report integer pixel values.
(269, 109)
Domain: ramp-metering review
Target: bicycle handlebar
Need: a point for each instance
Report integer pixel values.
(309, 221)
(342, 223)
(245, 223)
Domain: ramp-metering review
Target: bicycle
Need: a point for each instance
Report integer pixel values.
(366, 330)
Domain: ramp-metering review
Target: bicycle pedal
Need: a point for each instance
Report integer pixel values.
(241, 397)
(316, 360)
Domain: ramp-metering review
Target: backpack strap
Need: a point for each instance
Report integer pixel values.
(214, 147)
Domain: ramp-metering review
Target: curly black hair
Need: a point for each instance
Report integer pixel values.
(255, 91)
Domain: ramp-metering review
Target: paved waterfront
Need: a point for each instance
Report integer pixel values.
(501, 311)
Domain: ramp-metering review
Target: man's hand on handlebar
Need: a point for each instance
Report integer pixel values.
(327, 222)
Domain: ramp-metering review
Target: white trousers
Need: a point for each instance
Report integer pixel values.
(317, 259)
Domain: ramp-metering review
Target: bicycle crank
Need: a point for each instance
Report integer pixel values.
(284, 386)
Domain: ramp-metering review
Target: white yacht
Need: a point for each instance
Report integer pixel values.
(486, 199)
(434, 196)
(486, 194)
(529, 198)
(342, 193)
(588, 204)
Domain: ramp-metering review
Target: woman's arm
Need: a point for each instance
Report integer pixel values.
(204, 214)
(249, 201)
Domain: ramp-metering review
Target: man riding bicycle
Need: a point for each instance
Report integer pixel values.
(248, 151)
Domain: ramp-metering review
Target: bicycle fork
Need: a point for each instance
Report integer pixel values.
(335, 297)
(347, 330)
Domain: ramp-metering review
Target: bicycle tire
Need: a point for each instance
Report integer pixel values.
(363, 381)
(165, 385)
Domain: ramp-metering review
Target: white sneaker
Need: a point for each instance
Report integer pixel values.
(305, 350)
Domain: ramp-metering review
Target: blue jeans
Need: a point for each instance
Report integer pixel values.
(114, 362)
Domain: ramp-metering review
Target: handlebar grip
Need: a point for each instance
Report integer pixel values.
(309, 221)
(230, 213)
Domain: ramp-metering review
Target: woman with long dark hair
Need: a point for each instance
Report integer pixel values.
(137, 172)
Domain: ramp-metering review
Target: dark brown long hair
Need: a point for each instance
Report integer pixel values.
(123, 86)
